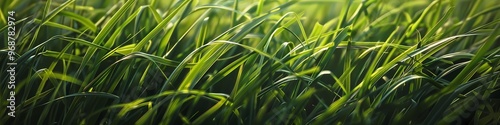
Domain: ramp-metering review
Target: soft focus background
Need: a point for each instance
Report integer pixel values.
(253, 62)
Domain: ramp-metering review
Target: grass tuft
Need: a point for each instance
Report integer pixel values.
(253, 62)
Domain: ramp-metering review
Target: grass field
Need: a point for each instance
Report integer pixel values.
(250, 62)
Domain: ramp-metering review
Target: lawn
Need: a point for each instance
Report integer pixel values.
(67, 62)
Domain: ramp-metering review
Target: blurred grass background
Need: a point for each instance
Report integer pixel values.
(254, 62)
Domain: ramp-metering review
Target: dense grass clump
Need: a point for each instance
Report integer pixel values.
(253, 62)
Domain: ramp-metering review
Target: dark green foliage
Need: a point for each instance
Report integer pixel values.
(253, 62)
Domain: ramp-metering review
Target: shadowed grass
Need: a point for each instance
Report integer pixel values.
(253, 62)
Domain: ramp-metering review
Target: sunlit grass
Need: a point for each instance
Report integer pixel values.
(254, 62)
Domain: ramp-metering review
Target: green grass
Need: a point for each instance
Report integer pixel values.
(253, 62)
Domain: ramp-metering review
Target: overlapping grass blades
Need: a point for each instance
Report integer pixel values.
(254, 62)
